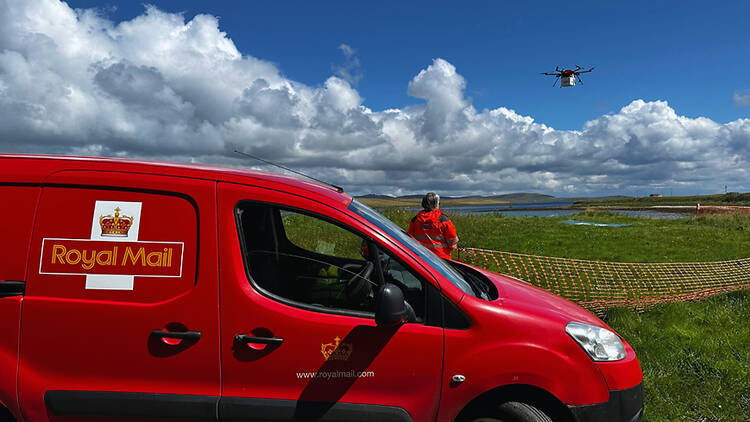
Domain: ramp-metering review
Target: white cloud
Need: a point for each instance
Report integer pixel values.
(350, 71)
(741, 98)
(157, 86)
(447, 111)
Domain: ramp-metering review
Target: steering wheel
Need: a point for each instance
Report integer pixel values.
(358, 286)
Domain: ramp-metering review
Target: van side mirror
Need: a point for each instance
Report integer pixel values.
(390, 307)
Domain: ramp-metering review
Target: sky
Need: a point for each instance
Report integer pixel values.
(392, 97)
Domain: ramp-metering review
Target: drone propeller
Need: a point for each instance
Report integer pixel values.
(578, 67)
(557, 68)
(556, 79)
(579, 79)
(550, 74)
(586, 71)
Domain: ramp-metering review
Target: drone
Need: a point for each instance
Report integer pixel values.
(567, 76)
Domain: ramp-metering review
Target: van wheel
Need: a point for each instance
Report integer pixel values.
(514, 411)
(5, 415)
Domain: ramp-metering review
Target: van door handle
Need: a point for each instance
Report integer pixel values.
(9, 288)
(180, 335)
(246, 339)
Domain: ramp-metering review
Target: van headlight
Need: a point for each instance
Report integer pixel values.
(601, 344)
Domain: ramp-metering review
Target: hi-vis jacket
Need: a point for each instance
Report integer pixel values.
(434, 230)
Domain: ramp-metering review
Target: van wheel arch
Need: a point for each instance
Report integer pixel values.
(530, 395)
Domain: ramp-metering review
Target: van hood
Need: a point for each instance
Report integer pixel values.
(519, 294)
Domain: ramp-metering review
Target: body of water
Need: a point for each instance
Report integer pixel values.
(590, 223)
(530, 213)
(519, 210)
(547, 209)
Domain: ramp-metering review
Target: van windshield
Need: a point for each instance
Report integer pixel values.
(407, 241)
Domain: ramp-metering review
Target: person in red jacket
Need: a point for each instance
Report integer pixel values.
(432, 228)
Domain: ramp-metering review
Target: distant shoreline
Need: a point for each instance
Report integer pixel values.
(521, 201)
(416, 202)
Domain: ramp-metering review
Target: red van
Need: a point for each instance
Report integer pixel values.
(135, 291)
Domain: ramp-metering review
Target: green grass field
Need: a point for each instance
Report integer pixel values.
(705, 238)
(695, 355)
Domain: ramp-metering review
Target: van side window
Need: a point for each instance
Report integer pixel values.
(313, 262)
(318, 236)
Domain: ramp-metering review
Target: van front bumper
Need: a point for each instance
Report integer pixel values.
(623, 405)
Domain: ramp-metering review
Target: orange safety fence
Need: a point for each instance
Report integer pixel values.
(720, 209)
(600, 285)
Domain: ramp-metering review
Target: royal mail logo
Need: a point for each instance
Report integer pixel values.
(115, 225)
(85, 257)
(112, 256)
(336, 350)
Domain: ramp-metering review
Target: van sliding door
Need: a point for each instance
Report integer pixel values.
(119, 319)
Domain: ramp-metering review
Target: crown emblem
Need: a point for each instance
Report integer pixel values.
(336, 350)
(115, 225)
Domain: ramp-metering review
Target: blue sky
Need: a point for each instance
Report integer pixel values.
(392, 97)
(692, 54)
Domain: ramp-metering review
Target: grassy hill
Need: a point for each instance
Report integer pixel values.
(408, 202)
(384, 201)
(731, 198)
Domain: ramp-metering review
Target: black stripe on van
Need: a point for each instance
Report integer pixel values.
(131, 405)
(268, 410)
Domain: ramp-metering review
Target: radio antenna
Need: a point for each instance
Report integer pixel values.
(338, 188)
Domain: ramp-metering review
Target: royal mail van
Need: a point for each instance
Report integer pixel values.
(135, 291)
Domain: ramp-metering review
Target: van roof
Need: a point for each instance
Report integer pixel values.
(18, 168)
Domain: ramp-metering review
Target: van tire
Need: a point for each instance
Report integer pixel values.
(5, 415)
(514, 411)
